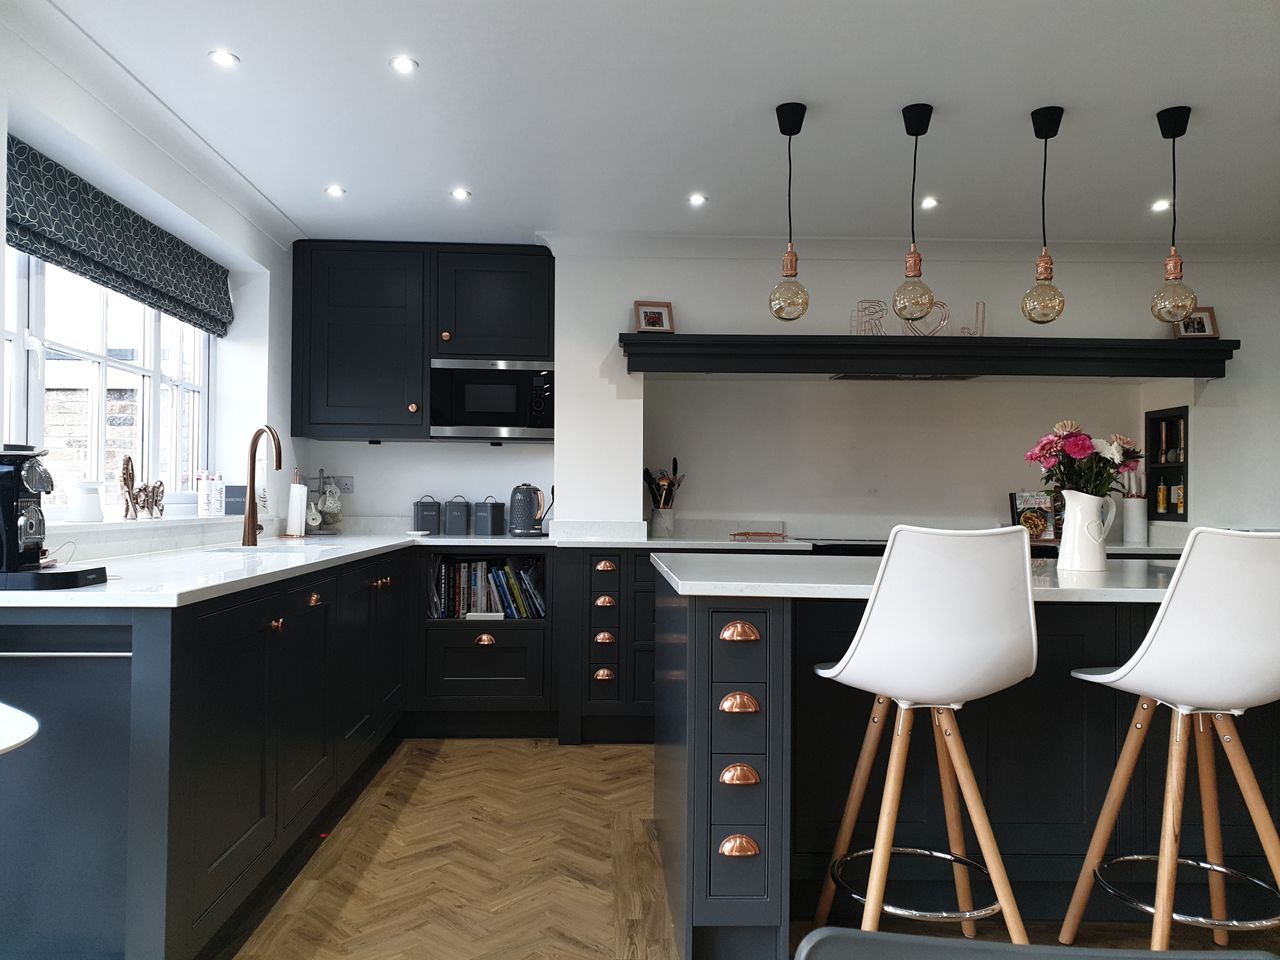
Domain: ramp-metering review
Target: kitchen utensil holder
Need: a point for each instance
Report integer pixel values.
(490, 518)
(426, 515)
(662, 523)
(1133, 514)
(457, 517)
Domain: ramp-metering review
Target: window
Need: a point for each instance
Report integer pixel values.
(108, 378)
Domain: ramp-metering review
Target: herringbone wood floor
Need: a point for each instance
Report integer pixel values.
(484, 850)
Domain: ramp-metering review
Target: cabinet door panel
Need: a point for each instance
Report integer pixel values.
(496, 305)
(350, 680)
(367, 319)
(386, 640)
(304, 737)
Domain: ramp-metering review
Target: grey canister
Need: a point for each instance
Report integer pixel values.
(490, 518)
(426, 516)
(457, 517)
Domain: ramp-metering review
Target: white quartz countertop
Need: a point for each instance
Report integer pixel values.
(850, 578)
(591, 543)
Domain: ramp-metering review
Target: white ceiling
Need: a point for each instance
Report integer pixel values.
(586, 116)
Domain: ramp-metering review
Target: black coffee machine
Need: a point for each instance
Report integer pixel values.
(23, 478)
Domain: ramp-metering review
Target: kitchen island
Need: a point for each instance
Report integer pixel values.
(1043, 751)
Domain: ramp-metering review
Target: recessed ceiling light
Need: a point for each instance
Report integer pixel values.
(334, 190)
(460, 193)
(928, 203)
(1160, 206)
(223, 58)
(697, 199)
(403, 64)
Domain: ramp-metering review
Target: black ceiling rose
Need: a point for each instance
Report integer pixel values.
(916, 116)
(1173, 121)
(790, 118)
(1046, 121)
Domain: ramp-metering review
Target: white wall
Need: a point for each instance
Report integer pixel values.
(846, 459)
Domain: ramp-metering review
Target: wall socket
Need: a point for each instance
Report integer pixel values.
(344, 484)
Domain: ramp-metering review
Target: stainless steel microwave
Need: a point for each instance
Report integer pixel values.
(492, 399)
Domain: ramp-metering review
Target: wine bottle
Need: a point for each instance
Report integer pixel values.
(1179, 497)
(1162, 496)
(1164, 444)
(1182, 441)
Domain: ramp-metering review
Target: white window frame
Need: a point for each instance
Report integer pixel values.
(30, 392)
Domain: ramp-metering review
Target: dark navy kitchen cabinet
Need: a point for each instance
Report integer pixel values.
(493, 302)
(359, 358)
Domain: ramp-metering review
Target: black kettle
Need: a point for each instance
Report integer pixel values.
(528, 509)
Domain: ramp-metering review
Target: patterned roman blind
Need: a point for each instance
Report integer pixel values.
(55, 215)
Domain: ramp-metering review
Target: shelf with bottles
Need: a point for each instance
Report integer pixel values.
(486, 584)
(1167, 454)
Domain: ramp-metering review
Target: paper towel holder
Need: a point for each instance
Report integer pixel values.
(296, 482)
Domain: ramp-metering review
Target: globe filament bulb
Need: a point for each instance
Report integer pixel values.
(789, 300)
(1174, 301)
(1044, 302)
(913, 299)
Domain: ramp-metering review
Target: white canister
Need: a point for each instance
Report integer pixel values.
(1133, 515)
(84, 502)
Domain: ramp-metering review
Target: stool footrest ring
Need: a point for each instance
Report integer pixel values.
(839, 866)
(1263, 923)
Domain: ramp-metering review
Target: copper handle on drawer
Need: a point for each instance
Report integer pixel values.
(604, 673)
(739, 775)
(313, 600)
(375, 584)
(739, 702)
(413, 408)
(604, 637)
(446, 336)
(604, 600)
(277, 625)
(485, 640)
(737, 631)
(739, 845)
(606, 566)
(386, 581)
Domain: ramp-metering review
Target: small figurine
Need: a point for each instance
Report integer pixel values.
(126, 487)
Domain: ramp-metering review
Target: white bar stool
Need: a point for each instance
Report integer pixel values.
(16, 728)
(972, 635)
(1211, 654)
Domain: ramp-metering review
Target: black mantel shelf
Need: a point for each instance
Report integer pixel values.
(911, 358)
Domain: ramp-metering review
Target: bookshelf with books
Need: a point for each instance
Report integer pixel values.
(487, 587)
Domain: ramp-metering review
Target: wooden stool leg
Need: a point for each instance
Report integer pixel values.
(1170, 829)
(982, 826)
(853, 804)
(1262, 821)
(1212, 821)
(955, 826)
(1128, 759)
(888, 819)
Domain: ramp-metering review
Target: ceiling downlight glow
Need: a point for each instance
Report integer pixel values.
(1160, 206)
(403, 64)
(334, 190)
(697, 199)
(460, 193)
(928, 203)
(223, 58)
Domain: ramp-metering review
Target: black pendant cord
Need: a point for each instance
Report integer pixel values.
(915, 150)
(1044, 176)
(1173, 151)
(788, 191)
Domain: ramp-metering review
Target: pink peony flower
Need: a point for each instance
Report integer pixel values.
(1049, 462)
(1045, 446)
(1127, 467)
(1078, 446)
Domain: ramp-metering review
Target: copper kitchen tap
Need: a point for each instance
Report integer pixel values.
(251, 526)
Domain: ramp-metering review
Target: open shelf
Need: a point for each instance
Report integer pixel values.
(1174, 440)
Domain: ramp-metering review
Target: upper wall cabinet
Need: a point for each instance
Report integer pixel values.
(493, 304)
(368, 319)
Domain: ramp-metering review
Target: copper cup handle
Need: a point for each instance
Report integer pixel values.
(314, 600)
(446, 336)
(604, 673)
(485, 640)
(739, 845)
(604, 637)
(606, 566)
(739, 702)
(413, 408)
(604, 600)
(739, 775)
(277, 625)
(739, 631)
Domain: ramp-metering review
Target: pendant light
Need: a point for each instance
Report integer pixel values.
(1174, 301)
(1044, 302)
(789, 299)
(913, 299)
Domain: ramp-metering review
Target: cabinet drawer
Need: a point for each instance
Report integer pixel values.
(739, 876)
(602, 683)
(642, 569)
(322, 593)
(485, 660)
(742, 731)
(602, 646)
(739, 645)
(739, 788)
(605, 607)
(606, 572)
(642, 667)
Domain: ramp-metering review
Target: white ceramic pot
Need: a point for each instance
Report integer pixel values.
(84, 502)
(1085, 523)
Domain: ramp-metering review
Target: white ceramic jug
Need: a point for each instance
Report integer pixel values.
(84, 502)
(1085, 523)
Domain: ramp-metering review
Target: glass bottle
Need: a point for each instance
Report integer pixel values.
(1162, 496)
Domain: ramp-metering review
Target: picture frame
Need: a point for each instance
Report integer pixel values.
(654, 316)
(1200, 324)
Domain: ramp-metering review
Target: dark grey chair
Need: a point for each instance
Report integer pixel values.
(838, 943)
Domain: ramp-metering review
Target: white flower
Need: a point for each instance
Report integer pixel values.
(1108, 449)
